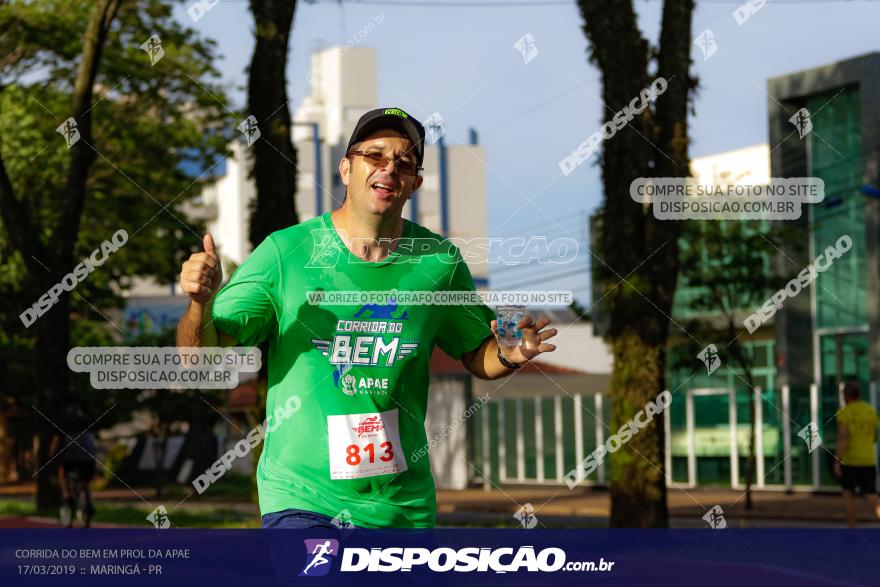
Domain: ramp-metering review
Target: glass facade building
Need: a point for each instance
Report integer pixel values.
(830, 333)
(826, 334)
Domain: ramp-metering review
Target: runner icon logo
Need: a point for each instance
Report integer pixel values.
(319, 554)
(715, 518)
(710, 358)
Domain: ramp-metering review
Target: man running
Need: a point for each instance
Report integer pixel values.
(856, 451)
(362, 374)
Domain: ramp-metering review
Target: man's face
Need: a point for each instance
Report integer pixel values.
(380, 190)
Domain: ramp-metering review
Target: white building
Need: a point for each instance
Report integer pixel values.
(744, 166)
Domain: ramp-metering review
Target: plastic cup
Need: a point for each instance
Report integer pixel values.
(508, 318)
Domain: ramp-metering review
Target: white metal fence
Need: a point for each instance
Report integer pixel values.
(538, 440)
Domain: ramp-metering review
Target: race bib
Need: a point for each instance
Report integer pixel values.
(364, 445)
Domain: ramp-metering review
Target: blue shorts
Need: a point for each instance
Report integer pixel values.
(297, 520)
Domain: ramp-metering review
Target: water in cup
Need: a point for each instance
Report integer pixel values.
(508, 318)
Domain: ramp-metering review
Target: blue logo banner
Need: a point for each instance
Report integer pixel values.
(342, 556)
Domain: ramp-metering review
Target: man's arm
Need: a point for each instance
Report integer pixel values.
(196, 328)
(484, 363)
(842, 438)
(842, 441)
(200, 279)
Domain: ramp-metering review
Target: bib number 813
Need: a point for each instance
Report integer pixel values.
(353, 451)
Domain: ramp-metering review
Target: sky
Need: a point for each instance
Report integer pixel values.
(461, 61)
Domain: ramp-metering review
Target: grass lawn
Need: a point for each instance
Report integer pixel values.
(17, 507)
(511, 524)
(230, 487)
(135, 515)
(224, 517)
(213, 518)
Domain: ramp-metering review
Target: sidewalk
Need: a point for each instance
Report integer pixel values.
(581, 507)
(686, 507)
(123, 496)
(19, 522)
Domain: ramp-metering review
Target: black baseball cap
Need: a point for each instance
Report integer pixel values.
(393, 118)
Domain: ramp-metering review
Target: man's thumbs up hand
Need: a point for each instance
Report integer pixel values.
(208, 243)
(201, 274)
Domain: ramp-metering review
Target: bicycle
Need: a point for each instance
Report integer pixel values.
(81, 510)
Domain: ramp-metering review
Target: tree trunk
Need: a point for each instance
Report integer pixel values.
(53, 328)
(160, 461)
(274, 157)
(638, 486)
(739, 357)
(639, 294)
(52, 344)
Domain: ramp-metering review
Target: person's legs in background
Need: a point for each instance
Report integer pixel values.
(850, 508)
(88, 474)
(875, 503)
(64, 484)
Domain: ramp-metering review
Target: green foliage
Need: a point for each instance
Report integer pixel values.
(727, 264)
(726, 273)
(149, 124)
(112, 463)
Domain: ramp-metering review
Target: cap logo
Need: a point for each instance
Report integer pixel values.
(396, 112)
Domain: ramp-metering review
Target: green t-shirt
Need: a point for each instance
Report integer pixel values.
(861, 425)
(361, 371)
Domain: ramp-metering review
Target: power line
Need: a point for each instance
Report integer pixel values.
(581, 241)
(569, 228)
(540, 264)
(579, 217)
(533, 108)
(581, 271)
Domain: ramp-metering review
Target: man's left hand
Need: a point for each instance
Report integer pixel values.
(533, 340)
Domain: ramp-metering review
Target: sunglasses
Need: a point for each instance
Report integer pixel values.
(380, 161)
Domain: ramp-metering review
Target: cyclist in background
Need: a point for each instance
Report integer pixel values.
(75, 453)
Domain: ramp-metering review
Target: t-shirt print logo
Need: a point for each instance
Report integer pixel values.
(372, 338)
(369, 427)
(384, 311)
(348, 384)
(390, 352)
